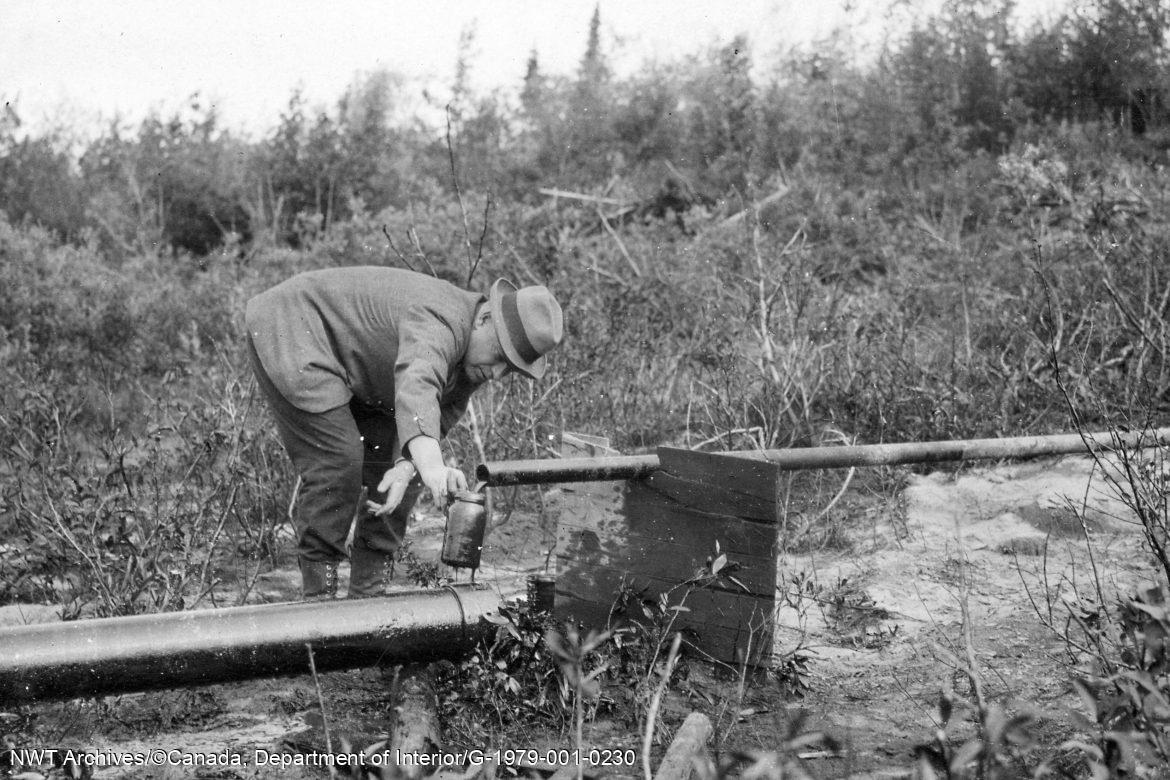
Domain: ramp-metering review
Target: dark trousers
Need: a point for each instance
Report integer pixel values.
(336, 453)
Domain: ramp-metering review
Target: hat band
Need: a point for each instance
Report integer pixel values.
(515, 327)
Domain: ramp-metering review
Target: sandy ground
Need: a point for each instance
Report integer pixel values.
(880, 619)
(890, 639)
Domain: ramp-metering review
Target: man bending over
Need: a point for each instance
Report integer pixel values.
(366, 369)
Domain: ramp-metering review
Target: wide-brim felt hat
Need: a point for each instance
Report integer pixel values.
(529, 324)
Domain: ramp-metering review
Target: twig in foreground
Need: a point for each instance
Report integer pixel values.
(321, 703)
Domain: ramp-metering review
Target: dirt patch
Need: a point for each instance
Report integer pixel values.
(984, 537)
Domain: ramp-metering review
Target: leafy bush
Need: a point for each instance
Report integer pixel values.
(511, 678)
(128, 522)
(136, 469)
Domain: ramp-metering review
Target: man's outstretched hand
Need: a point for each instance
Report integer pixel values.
(394, 484)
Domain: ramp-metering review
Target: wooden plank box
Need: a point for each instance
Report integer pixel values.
(621, 545)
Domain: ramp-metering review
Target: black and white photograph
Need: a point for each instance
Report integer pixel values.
(656, 390)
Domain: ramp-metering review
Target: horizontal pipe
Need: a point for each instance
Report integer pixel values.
(541, 472)
(961, 449)
(538, 472)
(144, 652)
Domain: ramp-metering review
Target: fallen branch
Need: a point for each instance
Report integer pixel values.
(739, 216)
(582, 196)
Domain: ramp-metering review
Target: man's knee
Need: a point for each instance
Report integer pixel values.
(330, 490)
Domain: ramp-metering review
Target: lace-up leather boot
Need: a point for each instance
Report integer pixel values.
(318, 580)
(370, 573)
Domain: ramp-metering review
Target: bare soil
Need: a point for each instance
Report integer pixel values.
(873, 596)
(889, 638)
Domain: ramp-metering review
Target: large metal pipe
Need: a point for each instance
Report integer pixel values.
(143, 652)
(537, 472)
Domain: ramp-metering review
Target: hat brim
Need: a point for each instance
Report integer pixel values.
(534, 369)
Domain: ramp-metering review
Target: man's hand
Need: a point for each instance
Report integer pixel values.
(443, 482)
(394, 483)
(439, 478)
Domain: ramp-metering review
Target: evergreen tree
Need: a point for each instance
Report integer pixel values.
(590, 132)
(594, 72)
(532, 93)
(461, 87)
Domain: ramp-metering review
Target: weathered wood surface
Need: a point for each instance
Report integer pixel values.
(734, 473)
(414, 721)
(659, 535)
(688, 750)
(712, 498)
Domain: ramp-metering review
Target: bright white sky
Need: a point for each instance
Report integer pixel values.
(71, 62)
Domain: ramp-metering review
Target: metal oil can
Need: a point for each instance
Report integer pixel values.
(463, 536)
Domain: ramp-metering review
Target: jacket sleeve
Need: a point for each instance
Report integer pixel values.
(455, 402)
(427, 352)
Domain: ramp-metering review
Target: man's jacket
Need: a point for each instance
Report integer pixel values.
(392, 339)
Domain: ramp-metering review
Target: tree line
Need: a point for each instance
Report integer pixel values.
(711, 126)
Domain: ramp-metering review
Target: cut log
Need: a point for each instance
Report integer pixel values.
(414, 720)
(687, 750)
